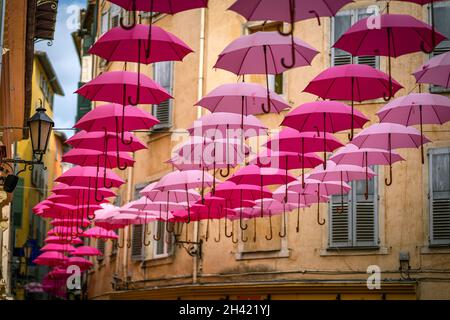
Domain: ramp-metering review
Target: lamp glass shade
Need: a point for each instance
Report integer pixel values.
(40, 129)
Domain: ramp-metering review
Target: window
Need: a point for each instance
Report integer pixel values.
(114, 242)
(276, 82)
(101, 247)
(357, 225)
(115, 14)
(162, 247)
(340, 24)
(439, 195)
(163, 75)
(442, 24)
(137, 236)
(105, 22)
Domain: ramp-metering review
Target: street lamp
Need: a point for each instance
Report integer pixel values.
(40, 126)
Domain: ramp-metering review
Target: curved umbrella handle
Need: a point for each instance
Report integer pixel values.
(232, 232)
(242, 236)
(314, 12)
(263, 107)
(228, 235)
(129, 241)
(268, 238)
(292, 16)
(218, 239)
(254, 229)
(121, 246)
(144, 241)
(388, 182)
(227, 173)
(157, 236)
(297, 228)
(97, 198)
(293, 57)
(133, 24)
(243, 227)
(283, 235)
(320, 222)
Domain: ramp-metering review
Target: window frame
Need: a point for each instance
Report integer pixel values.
(352, 242)
(431, 240)
(169, 124)
(168, 251)
(354, 14)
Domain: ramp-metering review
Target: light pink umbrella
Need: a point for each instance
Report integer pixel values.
(58, 247)
(354, 82)
(99, 140)
(242, 98)
(133, 45)
(285, 160)
(417, 108)
(326, 116)
(86, 251)
(389, 136)
(177, 196)
(89, 157)
(436, 71)
(264, 53)
(76, 191)
(100, 233)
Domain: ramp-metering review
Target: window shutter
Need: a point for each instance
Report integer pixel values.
(17, 204)
(163, 74)
(440, 196)
(101, 248)
(339, 223)
(366, 214)
(136, 242)
(441, 19)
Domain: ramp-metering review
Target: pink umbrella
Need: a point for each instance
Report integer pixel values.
(354, 82)
(364, 157)
(75, 191)
(286, 160)
(58, 247)
(95, 140)
(242, 98)
(409, 110)
(436, 71)
(326, 116)
(396, 35)
(50, 258)
(389, 136)
(89, 157)
(100, 233)
(132, 45)
(86, 251)
(63, 240)
(261, 53)
(83, 263)
(83, 223)
(66, 199)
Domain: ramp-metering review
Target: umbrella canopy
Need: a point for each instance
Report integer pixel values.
(177, 196)
(364, 157)
(286, 160)
(83, 223)
(65, 231)
(83, 263)
(50, 258)
(188, 179)
(104, 141)
(341, 172)
(241, 98)
(417, 109)
(119, 44)
(436, 71)
(163, 6)
(77, 191)
(123, 87)
(86, 251)
(100, 233)
(63, 240)
(87, 176)
(58, 247)
(89, 157)
(252, 174)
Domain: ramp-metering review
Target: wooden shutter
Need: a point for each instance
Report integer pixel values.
(439, 196)
(442, 23)
(163, 74)
(365, 224)
(101, 248)
(17, 204)
(339, 223)
(136, 242)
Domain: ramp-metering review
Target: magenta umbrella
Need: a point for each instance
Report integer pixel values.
(354, 82)
(86, 251)
(389, 136)
(50, 258)
(57, 247)
(242, 98)
(417, 108)
(261, 53)
(96, 140)
(89, 157)
(83, 263)
(436, 71)
(71, 222)
(63, 240)
(76, 191)
(325, 116)
(396, 35)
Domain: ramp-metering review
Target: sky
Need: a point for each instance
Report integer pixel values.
(65, 61)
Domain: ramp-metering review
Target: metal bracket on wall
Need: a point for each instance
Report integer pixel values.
(192, 248)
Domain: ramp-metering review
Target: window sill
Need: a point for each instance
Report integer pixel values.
(158, 261)
(276, 254)
(354, 251)
(435, 249)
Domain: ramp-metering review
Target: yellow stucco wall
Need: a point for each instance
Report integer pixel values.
(403, 207)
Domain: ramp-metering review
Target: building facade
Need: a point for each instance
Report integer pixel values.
(401, 231)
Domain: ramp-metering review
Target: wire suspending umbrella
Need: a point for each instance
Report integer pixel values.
(325, 116)
(417, 109)
(389, 136)
(261, 53)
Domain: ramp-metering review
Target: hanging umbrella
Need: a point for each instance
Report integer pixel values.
(261, 53)
(89, 157)
(396, 35)
(83, 263)
(436, 71)
(100, 233)
(50, 258)
(417, 109)
(325, 116)
(63, 240)
(86, 251)
(57, 247)
(242, 98)
(65, 231)
(83, 223)
(389, 136)
(354, 82)
(76, 191)
(95, 140)
(364, 157)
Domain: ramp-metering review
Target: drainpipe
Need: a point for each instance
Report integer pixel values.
(201, 69)
(2, 27)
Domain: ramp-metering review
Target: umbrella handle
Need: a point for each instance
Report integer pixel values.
(263, 105)
(121, 246)
(292, 16)
(254, 229)
(320, 222)
(242, 236)
(314, 12)
(270, 228)
(228, 235)
(388, 182)
(138, 87)
(133, 24)
(293, 57)
(243, 227)
(218, 239)
(232, 231)
(283, 235)
(157, 236)
(267, 83)
(227, 173)
(144, 241)
(297, 228)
